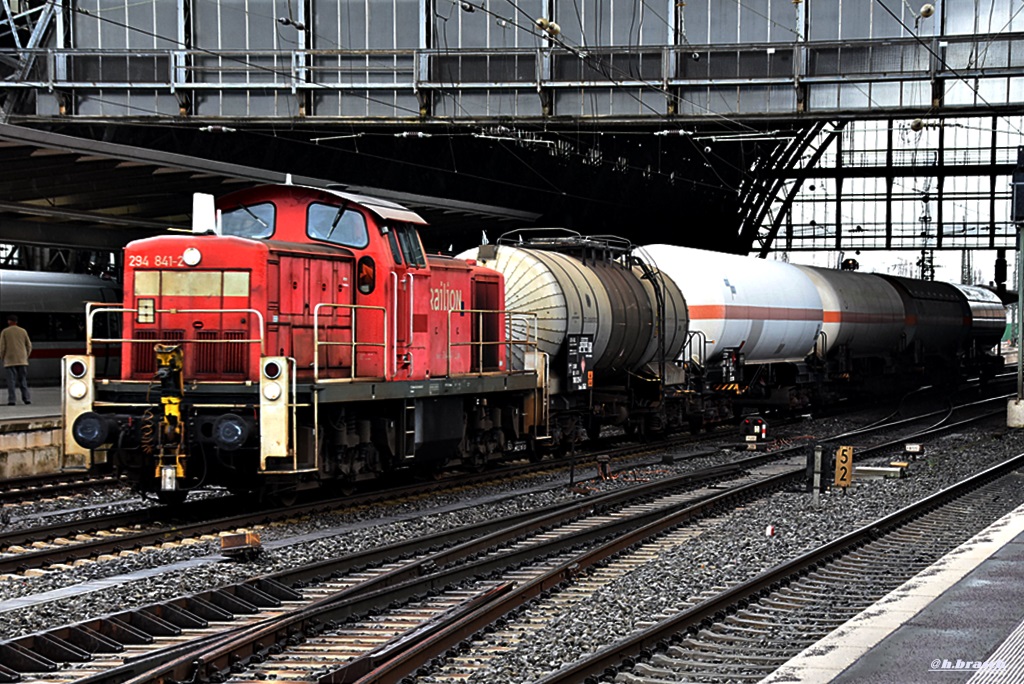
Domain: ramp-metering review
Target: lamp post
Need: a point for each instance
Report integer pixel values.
(1015, 409)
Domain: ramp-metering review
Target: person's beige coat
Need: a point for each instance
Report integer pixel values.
(15, 346)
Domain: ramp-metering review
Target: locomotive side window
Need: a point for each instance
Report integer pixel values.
(410, 241)
(251, 221)
(393, 242)
(337, 225)
(367, 274)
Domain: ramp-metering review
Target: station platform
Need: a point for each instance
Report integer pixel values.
(31, 436)
(45, 404)
(959, 620)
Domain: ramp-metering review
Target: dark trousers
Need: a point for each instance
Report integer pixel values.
(17, 377)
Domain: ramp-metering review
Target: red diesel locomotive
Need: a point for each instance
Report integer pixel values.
(305, 337)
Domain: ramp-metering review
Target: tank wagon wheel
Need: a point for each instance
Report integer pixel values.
(286, 498)
(695, 423)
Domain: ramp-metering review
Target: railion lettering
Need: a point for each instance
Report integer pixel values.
(445, 298)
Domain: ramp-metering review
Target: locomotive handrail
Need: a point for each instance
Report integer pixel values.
(92, 308)
(353, 343)
(509, 342)
(394, 313)
(412, 311)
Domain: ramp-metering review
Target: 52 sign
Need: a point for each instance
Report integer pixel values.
(844, 466)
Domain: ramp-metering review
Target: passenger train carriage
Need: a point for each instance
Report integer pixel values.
(51, 307)
(306, 338)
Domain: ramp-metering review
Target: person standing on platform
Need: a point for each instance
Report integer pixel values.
(15, 348)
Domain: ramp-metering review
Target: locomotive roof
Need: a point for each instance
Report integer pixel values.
(381, 207)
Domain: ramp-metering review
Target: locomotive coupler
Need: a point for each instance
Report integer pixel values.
(170, 362)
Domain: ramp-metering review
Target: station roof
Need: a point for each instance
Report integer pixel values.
(62, 191)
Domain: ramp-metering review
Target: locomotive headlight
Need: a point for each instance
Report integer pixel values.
(77, 389)
(77, 368)
(272, 369)
(192, 256)
(272, 391)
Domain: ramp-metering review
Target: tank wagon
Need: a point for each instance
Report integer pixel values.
(306, 338)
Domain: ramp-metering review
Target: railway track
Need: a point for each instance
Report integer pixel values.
(264, 602)
(746, 632)
(26, 489)
(350, 594)
(327, 633)
(60, 545)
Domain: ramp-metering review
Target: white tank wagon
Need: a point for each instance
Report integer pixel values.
(767, 310)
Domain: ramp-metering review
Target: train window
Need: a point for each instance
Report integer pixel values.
(251, 221)
(410, 241)
(395, 251)
(367, 272)
(337, 225)
(147, 283)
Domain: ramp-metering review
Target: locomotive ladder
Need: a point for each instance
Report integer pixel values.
(408, 428)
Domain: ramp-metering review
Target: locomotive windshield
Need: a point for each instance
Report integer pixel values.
(337, 225)
(249, 221)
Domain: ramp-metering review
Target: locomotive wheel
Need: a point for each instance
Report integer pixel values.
(172, 498)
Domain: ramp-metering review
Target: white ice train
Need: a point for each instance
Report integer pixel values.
(51, 307)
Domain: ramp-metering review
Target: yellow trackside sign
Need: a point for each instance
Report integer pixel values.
(844, 466)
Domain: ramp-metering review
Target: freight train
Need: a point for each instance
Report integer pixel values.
(51, 307)
(304, 337)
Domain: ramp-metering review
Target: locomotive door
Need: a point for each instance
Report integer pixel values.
(410, 284)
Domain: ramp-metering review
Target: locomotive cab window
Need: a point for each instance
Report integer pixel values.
(337, 225)
(409, 239)
(396, 252)
(250, 221)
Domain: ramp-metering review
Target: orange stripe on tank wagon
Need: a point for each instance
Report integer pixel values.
(762, 313)
(858, 317)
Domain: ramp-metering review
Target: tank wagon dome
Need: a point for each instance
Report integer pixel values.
(604, 300)
(770, 310)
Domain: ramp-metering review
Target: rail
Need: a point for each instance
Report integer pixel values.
(353, 344)
(610, 658)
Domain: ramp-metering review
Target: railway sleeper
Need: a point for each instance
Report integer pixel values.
(696, 643)
(770, 619)
(713, 656)
(672, 676)
(686, 662)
